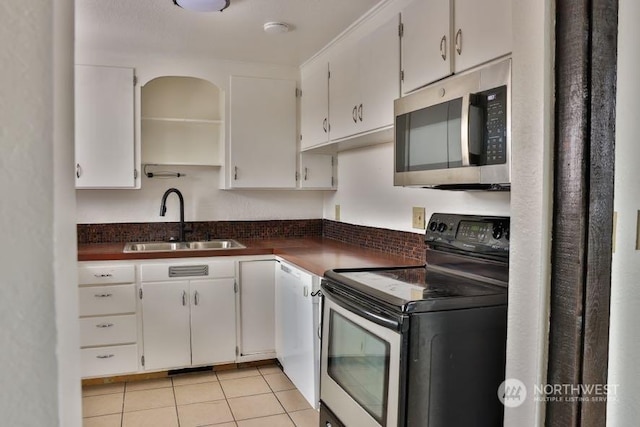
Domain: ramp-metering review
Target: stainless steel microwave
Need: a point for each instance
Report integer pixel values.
(456, 133)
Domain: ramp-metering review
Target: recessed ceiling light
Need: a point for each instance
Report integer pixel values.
(276, 27)
(203, 5)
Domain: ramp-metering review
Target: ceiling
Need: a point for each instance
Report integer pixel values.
(160, 27)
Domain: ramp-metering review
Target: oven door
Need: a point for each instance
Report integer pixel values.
(360, 366)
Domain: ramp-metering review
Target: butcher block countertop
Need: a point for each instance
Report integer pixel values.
(315, 255)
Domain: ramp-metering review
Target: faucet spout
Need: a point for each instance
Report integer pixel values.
(163, 209)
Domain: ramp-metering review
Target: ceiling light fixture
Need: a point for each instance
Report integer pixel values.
(203, 5)
(276, 27)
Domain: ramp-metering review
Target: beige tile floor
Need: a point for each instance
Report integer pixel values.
(251, 397)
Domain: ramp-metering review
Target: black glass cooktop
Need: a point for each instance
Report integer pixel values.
(417, 288)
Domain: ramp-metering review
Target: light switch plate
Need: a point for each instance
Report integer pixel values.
(337, 213)
(418, 218)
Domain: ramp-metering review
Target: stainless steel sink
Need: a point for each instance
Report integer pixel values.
(182, 246)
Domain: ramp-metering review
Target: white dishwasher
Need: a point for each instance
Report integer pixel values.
(297, 325)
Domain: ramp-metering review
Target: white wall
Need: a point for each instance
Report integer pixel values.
(203, 201)
(624, 345)
(531, 197)
(34, 227)
(366, 194)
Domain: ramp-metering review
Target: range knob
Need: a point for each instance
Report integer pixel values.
(442, 227)
(433, 226)
(497, 231)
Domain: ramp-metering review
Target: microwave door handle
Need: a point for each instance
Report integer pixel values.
(464, 130)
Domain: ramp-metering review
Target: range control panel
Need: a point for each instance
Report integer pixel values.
(470, 233)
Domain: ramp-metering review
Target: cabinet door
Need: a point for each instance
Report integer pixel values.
(379, 76)
(344, 93)
(165, 325)
(263, 141)
(483, 31)
(104, 127)
(426, 42)
(315, 104)
(213, 314)
(316, 171)
(257, 302)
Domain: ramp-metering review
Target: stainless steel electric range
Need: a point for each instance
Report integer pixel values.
(422, 346)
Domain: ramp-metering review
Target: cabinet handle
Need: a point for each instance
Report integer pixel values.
(235, 173)
(104, 325)
(459, 41)
(306, 173)
(184, 297)
(104, 356)
(360, 112)
(103, 295)
(196, 298)
(78, 170)
(443, 48)
(305, 291)
(103, 275)
(354, 114)
(324, 125)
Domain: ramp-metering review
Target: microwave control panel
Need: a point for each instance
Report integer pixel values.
(494, 104)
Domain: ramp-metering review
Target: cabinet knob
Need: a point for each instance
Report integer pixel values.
(78, 170)
(360, 112)
(324, 125)
(184, 297)
(306, 174)
(459, 41)
(354, 114)
(443, 48)
(104, 356)
(196, 298)
(104, 325)
(235, 173)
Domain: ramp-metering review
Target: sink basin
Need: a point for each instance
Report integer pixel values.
(182, 246)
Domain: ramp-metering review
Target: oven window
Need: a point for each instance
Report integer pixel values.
(359, 362)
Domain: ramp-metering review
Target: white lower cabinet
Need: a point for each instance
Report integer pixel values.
(108, 325)
(257, 316)
(297, 322)
(187, 320)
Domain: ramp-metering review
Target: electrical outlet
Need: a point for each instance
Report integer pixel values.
(337, 213)
(418, 218)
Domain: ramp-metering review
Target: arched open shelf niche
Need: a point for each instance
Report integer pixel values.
(182, 122)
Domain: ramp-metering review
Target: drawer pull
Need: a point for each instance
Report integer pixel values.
(103, 295)
(103, 275)
(104, 356)
(104, 325)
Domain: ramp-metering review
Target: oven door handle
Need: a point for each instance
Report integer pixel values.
(379, 317)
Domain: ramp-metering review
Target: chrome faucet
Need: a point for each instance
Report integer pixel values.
(163, 210)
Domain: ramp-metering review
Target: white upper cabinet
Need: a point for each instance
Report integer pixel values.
(315, 104)
(316, 171)
(426, 42)
(483, 31)
(104, 127)
(182, 121)
(364, 81)
(441, 37)
(263, 134)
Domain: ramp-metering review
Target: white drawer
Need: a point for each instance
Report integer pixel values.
(105, 274)
(119, 359)
(108, 330)
(187, 270)
(114, 299)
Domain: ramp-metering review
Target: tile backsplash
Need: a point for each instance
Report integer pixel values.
(402, 243)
